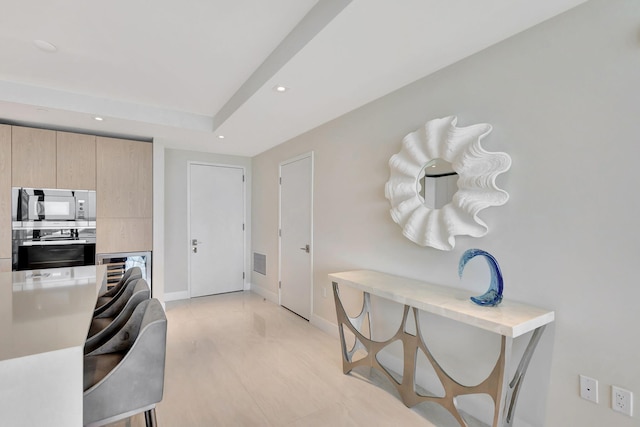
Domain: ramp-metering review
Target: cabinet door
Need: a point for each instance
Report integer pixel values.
(76, 165)
(124, 178)
(123, 235)
(5, 192)
(33, 153)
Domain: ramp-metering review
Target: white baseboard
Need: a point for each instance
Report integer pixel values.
(175, 296)
(270, 296)
(324, 325)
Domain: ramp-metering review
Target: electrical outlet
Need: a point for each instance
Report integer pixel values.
(589, 389)
(622, 400)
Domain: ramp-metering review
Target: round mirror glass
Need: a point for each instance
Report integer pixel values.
(437, 183)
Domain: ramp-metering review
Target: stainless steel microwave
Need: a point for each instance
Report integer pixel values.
(34, 205)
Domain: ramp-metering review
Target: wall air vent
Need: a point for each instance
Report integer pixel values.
(260, 263)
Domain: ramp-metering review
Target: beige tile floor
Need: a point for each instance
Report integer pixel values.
(239, 360)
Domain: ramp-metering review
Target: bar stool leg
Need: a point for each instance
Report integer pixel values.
(150, 418)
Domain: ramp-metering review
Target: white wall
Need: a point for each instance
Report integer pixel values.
(563, 99)
(176, 221)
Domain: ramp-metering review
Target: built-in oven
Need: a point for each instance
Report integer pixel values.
(53, 228)
(38, 255)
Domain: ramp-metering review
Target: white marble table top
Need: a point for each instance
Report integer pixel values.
(46, 310)
(510, 318)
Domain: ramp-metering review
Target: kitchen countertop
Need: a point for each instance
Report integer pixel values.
(47, 310)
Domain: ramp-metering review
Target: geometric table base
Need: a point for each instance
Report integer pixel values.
(504, 394)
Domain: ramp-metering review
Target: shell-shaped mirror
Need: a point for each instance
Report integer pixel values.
(441, 179)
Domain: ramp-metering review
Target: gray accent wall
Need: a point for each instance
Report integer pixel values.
(564, 102)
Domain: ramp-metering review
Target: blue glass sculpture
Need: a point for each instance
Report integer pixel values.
(493, 296)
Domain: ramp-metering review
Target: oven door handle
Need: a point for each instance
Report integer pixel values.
(53, 242)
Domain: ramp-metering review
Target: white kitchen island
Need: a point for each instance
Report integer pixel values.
(44, 320)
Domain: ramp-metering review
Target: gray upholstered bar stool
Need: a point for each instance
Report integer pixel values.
(105, 325)
(105, 315)
(131, 274)
(125, 375)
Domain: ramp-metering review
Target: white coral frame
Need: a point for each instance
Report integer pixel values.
(477, 170)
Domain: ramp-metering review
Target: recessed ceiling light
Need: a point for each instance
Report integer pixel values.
(45, 46)
(220, 136)
(98, 118)
(280, 88)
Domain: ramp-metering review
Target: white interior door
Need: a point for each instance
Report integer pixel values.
(216, 226)
(296, 235)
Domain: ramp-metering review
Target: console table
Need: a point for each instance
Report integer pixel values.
(509, 319)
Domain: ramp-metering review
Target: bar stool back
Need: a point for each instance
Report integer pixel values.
(129, 275)
(125, 375)
(103, 327)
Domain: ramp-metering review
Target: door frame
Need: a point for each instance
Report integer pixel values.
(310, 155)
(244, 218)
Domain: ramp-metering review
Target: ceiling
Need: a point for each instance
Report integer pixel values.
(186, 72)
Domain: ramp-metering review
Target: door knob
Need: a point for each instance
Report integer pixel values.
(194, 250)
(306, 248)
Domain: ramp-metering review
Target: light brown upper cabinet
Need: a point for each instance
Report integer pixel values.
(124, 192)
(76, 161)
(44, 158)
(33, 153)
(5, 197)
(124, 178)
